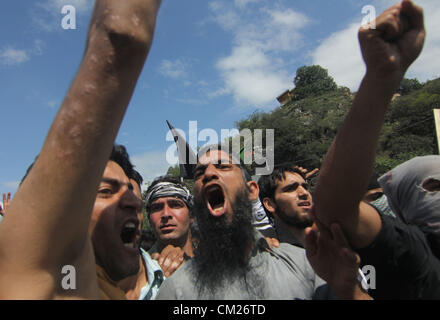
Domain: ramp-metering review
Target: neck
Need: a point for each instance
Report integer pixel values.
(185, 245)
(132, 285)
(297, 232)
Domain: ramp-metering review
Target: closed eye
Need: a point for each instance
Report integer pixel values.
(223, 166)
(199, 170)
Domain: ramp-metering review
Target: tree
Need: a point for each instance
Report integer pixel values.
(312, 81)
(305, 128)
(409, 85)
(174, 171)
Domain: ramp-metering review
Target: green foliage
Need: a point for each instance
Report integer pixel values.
(312, 81)
(174, 171)
(306, 126)
(303, 129)
(409, 85)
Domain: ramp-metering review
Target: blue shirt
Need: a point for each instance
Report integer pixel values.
(155, 277)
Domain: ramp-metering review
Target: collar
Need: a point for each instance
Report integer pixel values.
(155, 277)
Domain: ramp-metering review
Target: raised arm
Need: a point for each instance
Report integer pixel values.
(388, 51)
(47, 223)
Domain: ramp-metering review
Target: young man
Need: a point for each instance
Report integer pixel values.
(169, 204)
(46, 231)
(287, 201)
(231, 260)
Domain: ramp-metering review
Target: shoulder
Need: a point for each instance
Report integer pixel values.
(293, 258)
(180, 285)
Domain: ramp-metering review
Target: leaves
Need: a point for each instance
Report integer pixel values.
(305, 127)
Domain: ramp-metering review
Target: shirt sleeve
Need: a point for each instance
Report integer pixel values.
(400, 263)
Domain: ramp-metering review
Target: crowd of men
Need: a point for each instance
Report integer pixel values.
(207, 246)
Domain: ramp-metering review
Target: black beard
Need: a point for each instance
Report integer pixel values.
(221, 255)
(294, 221)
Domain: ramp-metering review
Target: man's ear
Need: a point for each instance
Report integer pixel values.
(253, 190)
(269, 205)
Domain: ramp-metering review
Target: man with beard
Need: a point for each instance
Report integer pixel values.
(287, 201)
(232, 260)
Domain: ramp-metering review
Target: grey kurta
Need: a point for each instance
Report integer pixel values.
(276, 273)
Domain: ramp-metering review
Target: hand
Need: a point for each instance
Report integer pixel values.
(396, 42)
(170, 259)
(272, 242)
(6, 203)
(332, 259)
(307, 173)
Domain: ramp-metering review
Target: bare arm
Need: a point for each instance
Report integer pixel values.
(46, 230)
(388, 51)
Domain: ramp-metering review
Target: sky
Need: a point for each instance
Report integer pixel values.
(213, 62)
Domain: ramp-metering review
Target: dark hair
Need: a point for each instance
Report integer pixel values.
(268, 183)
(136, 176)
(120, 156)
(236, 158)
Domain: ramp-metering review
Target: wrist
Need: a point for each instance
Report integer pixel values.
(384, 82)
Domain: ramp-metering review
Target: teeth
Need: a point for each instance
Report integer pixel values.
(130, 225)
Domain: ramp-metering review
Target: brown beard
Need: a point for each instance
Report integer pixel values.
(221, 254)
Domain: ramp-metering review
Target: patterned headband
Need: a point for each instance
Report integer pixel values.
(169, 189)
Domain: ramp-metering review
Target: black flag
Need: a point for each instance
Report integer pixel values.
(187, 158)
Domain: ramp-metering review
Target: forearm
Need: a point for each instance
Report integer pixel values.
(348, 164)
(57, 197)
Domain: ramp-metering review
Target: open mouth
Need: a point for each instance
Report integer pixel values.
(304, 204)
(128, 234)
(215, 200)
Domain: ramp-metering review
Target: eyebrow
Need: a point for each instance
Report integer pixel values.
(305, 185)
(117, 183)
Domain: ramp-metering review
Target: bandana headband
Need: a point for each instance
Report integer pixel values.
(168, 189)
